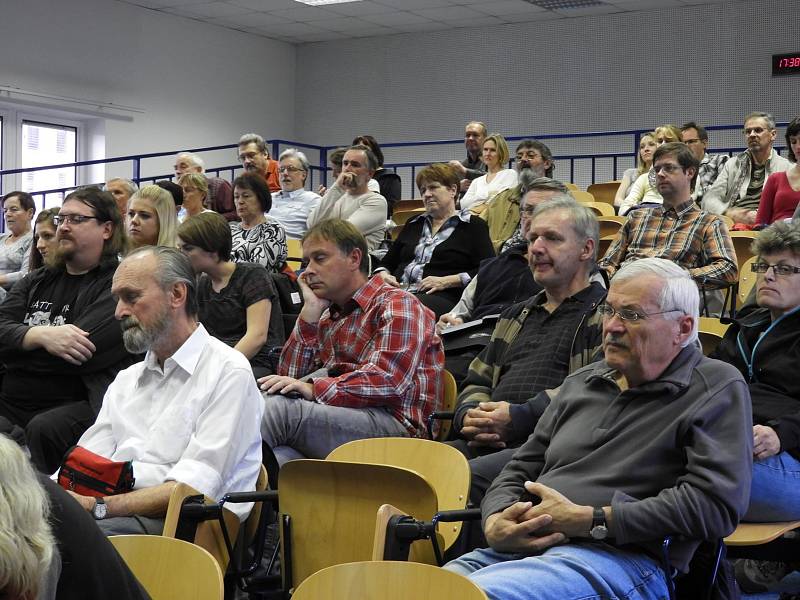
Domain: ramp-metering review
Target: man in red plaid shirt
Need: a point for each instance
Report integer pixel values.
(363, 360)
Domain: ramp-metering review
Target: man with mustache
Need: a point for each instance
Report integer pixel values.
(58, 339)
(189, 412)
(362, 361)
(654, 440)
(533, 160)
(737, 190)
(535, 344)
(254, 156)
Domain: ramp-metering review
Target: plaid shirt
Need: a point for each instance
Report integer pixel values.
(691, 238)
(383, 349)
(710, 167)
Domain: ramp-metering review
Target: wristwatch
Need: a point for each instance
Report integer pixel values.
(100, 509)
(599, 530)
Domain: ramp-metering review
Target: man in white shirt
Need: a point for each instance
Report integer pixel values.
(349, 198)
(293, 203)
(189, 412)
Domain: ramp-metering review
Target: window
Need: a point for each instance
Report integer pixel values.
(48, 144)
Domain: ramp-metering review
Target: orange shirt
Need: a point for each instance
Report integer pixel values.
(272, 176)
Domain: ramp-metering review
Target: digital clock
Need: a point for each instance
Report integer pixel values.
(786, 64)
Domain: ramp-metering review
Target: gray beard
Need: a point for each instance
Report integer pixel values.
(139, 338)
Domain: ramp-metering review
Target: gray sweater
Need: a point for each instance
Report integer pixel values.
(671, 457)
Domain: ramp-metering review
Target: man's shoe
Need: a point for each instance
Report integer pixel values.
(755, 576)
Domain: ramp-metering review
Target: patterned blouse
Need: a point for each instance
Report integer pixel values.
(264, 244)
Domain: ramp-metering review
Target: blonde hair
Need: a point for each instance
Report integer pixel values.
(197, 180)
(640, 166)
(502, 149)
(164, 205)
(26, 542)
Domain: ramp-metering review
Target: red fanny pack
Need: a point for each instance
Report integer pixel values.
(90, 474)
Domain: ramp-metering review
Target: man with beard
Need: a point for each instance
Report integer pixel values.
(254, 156)
(534, 160)
(58, 340)
(188, 413)
(737, 189)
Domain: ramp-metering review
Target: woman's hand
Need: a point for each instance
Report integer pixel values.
(433, 284)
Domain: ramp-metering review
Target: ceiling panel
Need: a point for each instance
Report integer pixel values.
(289, 20)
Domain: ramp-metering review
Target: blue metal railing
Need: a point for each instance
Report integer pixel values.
(319, 171)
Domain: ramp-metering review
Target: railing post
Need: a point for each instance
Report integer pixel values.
(323, 165)
(137, 166)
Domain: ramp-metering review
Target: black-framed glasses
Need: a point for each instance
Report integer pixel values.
(71, 219)
(628, 314)
(762, 267)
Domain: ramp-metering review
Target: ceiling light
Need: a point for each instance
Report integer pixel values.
(323, 2)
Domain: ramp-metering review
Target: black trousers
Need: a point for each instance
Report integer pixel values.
(51, 432)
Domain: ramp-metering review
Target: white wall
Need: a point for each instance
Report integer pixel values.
(199, 85)
(631, 70)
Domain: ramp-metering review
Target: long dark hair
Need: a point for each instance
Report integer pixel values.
(46, 216)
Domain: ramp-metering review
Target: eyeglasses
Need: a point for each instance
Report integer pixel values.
(527, 210)
(669, 168)
(627, 314)
(289, 169)
(58, 220)
(529, 155)
(762, 267)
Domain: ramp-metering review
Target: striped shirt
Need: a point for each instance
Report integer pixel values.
(690, 237)
(381, 349)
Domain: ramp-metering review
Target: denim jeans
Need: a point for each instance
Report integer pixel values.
(775, 491)
(297, 428)
(584, 571)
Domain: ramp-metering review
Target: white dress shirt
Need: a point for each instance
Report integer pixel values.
(196, 421)
(292, 210)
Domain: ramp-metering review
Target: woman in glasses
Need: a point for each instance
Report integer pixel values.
(438, 252)
(151, 218)
(18, 209)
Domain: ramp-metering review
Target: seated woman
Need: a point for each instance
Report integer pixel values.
(151, 218)
(647, 146)
(781, 195)
(195, 192)
(438, 252)
(389, 183)
(18, 209)
(44, 239)
(258, 238)
(498, 178)
(236, 301)
(644, 192)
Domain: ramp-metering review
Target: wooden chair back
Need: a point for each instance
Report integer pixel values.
(755, 534)
(295, 253)
(610, 224)
(332, 507)
(710, 332)
(387, 580)
(572, 187)
(604, 192)
(401, 217)
(443, 467)
(600, 208)
(449, 398)
(168, 568)
(747, 281)
(603, 245)
(741, 244)
(584, 197)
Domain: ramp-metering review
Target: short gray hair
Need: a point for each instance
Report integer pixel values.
(129, 185)
(295, 153)
(194, 159)
(762, 115)
(26, 546)
(778, 237)
(254, 138)
(173, 267)
(679, 291)
(545, 184)
(584, 221)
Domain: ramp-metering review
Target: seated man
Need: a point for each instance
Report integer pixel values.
(254, 156)
(536, 343)
(696, 137)
(533, 161)
(377, 342)
(189, 412)
(350, 197)
(121, 190)
(652, 441)
(58, 339)
(293, 203)
(220, 193)
(678, 231)
(471, 167)
(737, 190)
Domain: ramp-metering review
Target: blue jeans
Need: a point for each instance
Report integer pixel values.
(775, 491)
(584, 571)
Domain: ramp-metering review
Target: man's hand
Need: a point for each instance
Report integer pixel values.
(389, 278)
(280, 384)
(487, 425)
(432, 284)
(742, 215)
(313, 305)
(765, 442)
(572, 520)
(447, 320)
(347, 180)
(460, 169)
(464, 186)
(68, 342)
(510, 531)
(86, 502)
(321, 190)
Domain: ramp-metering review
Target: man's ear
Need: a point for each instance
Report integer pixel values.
(354, 259)
(177, 294)
(588, 249)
